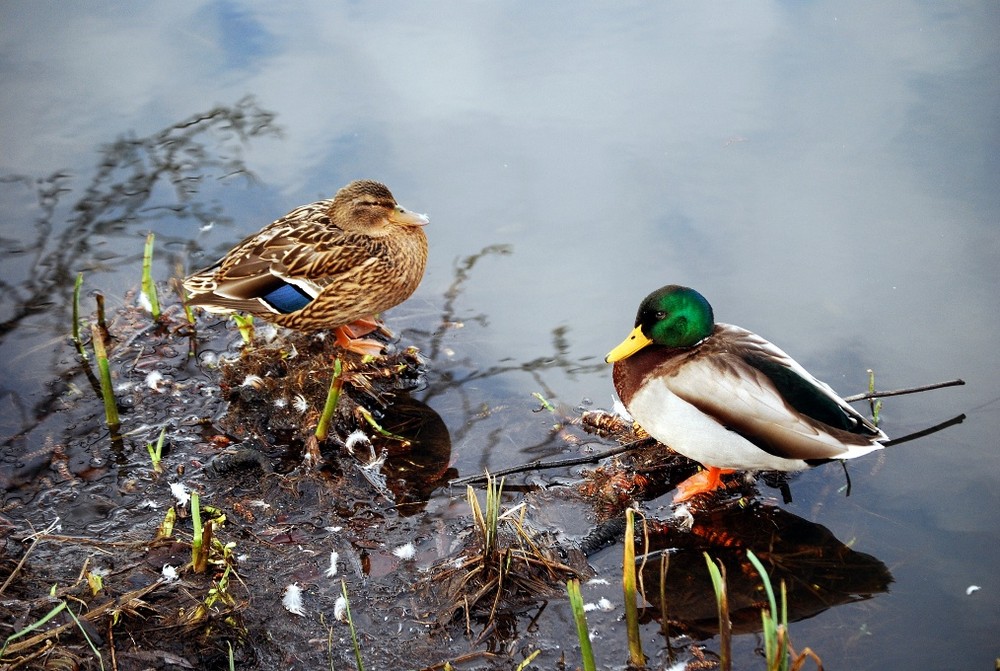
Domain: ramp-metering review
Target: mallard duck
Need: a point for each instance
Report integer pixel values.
(727, 398)
(332, 264)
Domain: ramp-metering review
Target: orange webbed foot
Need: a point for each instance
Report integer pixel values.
(702, 482)
(348, 337)
(362, 327)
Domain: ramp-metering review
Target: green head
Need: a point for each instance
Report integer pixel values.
(675, 316)
(672, 316)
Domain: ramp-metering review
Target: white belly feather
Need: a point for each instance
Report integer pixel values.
(682, 427)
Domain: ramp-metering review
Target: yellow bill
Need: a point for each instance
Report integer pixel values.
(635, 341)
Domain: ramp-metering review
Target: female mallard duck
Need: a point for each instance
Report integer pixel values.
(330, 264)
(726, 397)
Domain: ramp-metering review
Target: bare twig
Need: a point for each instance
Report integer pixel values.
(900, 392)
(539, 465)
(546, 465)
(35, 538)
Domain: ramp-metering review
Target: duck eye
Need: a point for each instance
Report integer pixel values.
(660, 314)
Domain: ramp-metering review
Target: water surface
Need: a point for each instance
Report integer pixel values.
(824, 173)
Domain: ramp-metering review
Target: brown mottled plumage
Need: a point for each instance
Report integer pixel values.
(324, 265)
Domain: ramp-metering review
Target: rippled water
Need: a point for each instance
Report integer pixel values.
(824, 173)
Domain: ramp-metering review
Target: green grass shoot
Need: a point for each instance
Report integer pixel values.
(178, 286)
(775, 626)
(220, 590)
(83, 631)
(104, 377)
(580, 618)
(188, 313)
(332, 398)
(487, 520)
(196, 526)
(95, 581)
(201, 537)
(148, 285)
(718, 575)
(245, 324)
(329, 640)
(545, 403)
(350, 622)
(875, 403)
(527, 660)
(156, 452)
(77, 340)
(60, 607)
(372, 422)
(166, 528)
(636, 658)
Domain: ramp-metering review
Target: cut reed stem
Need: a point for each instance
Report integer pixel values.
(104, 377)
(664, 610)
(101, 321)
(148, 285)
(199, 550)
(636, 658)
(332, 398)
(77, 340)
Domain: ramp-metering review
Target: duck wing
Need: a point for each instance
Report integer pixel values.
(284, 267)
(752, 387)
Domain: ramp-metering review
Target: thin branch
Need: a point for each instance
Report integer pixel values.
(35, 538)
(636, 444)
(900, 392)
(564, 463)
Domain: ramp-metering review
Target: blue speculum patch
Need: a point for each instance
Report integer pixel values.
(287, 298)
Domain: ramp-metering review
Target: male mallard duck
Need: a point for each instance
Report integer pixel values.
(726, 397)
(329, 264)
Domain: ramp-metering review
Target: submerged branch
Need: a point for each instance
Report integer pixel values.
(925, 432)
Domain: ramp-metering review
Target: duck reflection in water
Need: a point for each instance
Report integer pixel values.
(413, 472)
(819, 571)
